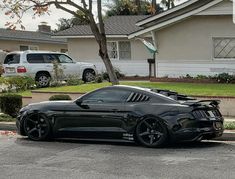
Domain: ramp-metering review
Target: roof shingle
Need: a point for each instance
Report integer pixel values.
(114, 25)
(29, 36)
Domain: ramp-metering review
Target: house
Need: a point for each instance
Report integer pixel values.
(195, 38)
(17, 40)
(128, 55)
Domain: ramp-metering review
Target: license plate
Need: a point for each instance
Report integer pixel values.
(10, 70)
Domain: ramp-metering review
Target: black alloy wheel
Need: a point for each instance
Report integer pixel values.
(37, 127)
(151, 132)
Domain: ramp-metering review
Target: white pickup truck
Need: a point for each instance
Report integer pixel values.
(38, 65)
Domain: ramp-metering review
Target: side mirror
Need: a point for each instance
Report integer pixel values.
(80, 103)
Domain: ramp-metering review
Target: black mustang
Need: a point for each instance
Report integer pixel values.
(151, 117)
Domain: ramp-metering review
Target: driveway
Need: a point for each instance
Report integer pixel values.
(22, 158)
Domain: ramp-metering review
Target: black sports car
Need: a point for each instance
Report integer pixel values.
(151, 117)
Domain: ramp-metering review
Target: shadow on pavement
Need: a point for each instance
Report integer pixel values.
(188, 145)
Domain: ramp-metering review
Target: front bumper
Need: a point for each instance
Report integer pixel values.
(19, 125)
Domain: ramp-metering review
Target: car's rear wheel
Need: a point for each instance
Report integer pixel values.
(151, 132)
(37, 127)
(88, 75)
(43, 80)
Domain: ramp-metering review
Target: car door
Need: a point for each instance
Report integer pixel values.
(101, 111)
(39, 62)
(69, 66)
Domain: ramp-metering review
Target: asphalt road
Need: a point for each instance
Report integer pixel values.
(22, 158)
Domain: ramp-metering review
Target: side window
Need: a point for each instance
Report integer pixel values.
(64, 59)
(12, 59)
(49, 58)
(35, 58)
(108, 96)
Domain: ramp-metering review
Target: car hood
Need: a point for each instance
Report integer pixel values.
(49, 105)
(84, 64)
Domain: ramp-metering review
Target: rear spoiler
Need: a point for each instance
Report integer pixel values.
(210, 102)
(173, 95)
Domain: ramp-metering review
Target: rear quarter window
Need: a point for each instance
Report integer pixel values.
(12, 59)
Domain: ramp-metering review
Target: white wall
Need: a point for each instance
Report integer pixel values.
(129, 68)
(86, 50)
(195, 68)
(187, 47)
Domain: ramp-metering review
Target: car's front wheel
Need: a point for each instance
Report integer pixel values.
(37, 127)
(151, 132)
(88, 75)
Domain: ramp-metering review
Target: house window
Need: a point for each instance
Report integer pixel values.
(124, 50)
(112, 50)
(224, 48)
(120, 50)
(28, 47)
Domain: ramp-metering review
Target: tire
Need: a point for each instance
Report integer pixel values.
(37, 127)
(88, 75)
(151, 132)
(43, 80)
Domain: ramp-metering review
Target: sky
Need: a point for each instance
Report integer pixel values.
(31, 23)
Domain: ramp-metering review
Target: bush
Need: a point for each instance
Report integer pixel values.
(225, 78)
(60, 97)
(119, 75)
(10, 104)
(73, 80)
(98, 79)
(18, 83)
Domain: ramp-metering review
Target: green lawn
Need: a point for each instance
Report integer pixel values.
(185, 88)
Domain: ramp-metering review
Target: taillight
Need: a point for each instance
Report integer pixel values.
(21, 69)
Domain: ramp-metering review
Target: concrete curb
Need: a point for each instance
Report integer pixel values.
(10, 126)
(228, 135)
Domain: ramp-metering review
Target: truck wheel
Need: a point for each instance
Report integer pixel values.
(43, 80)
(88, 75)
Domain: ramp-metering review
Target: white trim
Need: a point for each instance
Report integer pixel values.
(176, 19)
(88, 36)
(214, 13)
(166, 12)
(224, 59)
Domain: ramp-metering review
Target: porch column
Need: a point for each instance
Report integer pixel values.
(153, 34)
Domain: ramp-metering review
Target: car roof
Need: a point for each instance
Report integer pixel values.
(34, 52)
(148, 91)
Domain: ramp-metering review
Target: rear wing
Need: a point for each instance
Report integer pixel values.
(172, 94)
(210, 102)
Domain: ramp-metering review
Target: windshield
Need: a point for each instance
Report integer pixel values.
(12, 59)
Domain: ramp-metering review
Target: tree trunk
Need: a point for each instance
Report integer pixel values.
(154, 7)
(101, 39)
(137, 3)
(103, 52)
